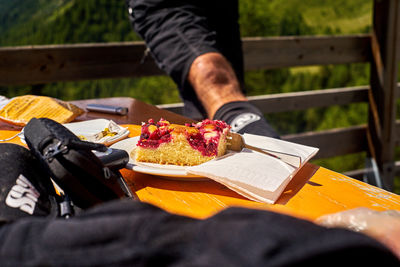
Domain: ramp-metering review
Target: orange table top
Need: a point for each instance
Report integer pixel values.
(313, 192)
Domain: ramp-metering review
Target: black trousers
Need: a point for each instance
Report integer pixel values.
(178, 31)
(128, 233)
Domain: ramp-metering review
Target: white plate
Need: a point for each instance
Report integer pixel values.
(91, 128)
(171, 171)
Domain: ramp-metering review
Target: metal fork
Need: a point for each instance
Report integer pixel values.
(236, 143)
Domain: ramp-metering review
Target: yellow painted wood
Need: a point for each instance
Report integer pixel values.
(313, 192)
(5, 134)
(326, 192)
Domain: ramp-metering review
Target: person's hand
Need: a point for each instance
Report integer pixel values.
(384, 226)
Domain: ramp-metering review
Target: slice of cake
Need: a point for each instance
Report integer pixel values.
(166, 143)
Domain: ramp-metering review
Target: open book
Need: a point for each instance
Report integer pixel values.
(255, 175)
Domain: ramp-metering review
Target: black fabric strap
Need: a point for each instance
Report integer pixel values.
(245, 118)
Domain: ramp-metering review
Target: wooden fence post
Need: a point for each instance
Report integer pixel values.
(383, 94)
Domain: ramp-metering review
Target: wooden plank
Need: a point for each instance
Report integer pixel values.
(174, 107)
(51, 63)
(377, 58)
(298, 100)
(334, 142)
(397, 134)
(373, 116)
(338, 142)
(138, 111)
(358, 174)
(310, 99)
(278, 52)
(44, 64)
(384, 93)
(392, 53)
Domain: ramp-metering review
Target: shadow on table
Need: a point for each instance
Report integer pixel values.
(140, 181)
(299, 180)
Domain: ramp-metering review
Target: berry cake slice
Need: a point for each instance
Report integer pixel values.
(190, 145)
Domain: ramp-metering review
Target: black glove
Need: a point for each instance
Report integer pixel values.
(243, 117)
(25, 188)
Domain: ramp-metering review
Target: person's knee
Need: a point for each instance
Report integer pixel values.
(213, 68)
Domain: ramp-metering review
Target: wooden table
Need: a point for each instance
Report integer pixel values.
(313, 192)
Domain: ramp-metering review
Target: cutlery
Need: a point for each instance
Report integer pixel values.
(236, 143)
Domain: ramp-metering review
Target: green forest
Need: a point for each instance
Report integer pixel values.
(38, 22)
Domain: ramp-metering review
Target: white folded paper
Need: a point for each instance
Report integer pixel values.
(255, 175)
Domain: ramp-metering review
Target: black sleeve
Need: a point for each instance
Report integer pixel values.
(127, 233)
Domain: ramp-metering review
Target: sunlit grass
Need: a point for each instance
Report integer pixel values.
(306, 69)
(61, 9)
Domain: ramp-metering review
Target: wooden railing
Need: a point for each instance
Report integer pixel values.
(52, 63)
(334, 142)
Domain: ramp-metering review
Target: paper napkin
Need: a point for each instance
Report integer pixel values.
(252, 174)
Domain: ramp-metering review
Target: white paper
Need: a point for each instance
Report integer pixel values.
(3, 101)
(255, 175)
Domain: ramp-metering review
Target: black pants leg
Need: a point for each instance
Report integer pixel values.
(178, 31)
